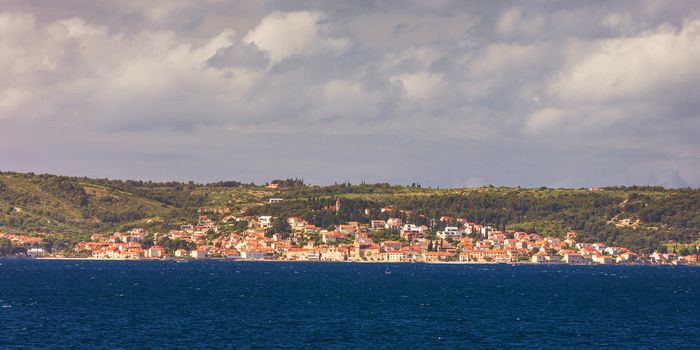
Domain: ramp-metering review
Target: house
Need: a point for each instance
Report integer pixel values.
(470, 255)
(612, 250)
(450, 232)
(134, 253)
(599, 246)
(411, 232)
(391, 245)
(394, 255)
(626, 256)
(334, 254)
(539, 258)
(275, 200)
(371, 252)
(297, 224)
(265, 221)
(313, 255)
(232, 254)
(36, 252)
(517, 254)
(574, 259)
(332, 237)
(296, 254)
(553, 259)
(657, 257)
(436, 256)
(181, 253)
(377, 224)
(394, 223)
(310, 228)
(602, 259)
(252, 254)
(570, 242)
(198, 253)
(350, 229)
(154, 252)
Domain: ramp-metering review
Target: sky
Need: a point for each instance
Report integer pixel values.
(440, 93)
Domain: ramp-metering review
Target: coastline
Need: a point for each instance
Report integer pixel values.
(347, 261)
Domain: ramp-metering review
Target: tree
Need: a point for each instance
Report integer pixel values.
(5, 246)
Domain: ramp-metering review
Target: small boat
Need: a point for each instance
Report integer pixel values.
(387, 271)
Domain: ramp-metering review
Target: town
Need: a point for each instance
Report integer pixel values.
(378, 240)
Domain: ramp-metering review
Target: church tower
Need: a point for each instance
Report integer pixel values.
(337, 205)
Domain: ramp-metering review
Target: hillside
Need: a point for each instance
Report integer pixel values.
(638, 217)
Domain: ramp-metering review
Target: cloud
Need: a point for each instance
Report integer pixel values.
(630, 67)
(544, 119)
(418, 86)
(284, 35)
(239, 55)
(524, 94)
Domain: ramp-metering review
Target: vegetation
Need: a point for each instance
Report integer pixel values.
(72, 208)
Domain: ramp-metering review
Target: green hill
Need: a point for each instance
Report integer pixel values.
(642, 218)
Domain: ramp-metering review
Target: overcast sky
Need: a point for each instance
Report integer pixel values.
(443, 93)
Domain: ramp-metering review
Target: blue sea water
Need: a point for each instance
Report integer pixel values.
(218, 304)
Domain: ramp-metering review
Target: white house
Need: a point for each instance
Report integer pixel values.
(252, 254)
(35, 252)
(198, 253)
(265, 221)
(154, 252)
(451, 232)
(394, 255)
(574, 259)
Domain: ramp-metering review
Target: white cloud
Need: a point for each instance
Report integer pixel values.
(544, 119)
(630, 67)
(285, 35)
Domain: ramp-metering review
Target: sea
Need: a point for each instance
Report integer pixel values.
(82, 304)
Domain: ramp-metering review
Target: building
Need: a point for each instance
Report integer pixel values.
(450, 232)
(437, 256)
(602, 259)
(574, 259)
(198, 253)
(154, 252)
(36, 252)
(540, 258)
(394, 255)
(265, 221)
(377, 224)
(391, 245)
(252, 254)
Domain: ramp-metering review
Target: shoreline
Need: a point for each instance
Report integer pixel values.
(341, 262)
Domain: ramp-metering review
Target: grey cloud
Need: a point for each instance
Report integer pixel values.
(240, 55)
